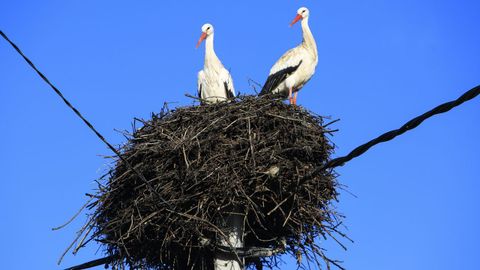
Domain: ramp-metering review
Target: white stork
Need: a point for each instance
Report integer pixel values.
(295, 68)
(215, 83)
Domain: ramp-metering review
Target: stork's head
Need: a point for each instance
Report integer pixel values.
(302, 13)
(207, 30)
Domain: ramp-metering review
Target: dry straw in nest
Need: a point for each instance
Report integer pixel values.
(204, 162)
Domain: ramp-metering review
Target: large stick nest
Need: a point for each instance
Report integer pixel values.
(202, 164)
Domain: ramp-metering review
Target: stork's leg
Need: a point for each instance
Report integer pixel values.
(295, 98)
(290, 98)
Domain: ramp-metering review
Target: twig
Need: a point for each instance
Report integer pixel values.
(93, 263)
(74, 216)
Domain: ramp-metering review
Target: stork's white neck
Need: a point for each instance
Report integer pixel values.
(211, 59)
(308, 40)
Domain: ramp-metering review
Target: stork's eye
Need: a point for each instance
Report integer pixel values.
(303, 11)
(208, 28)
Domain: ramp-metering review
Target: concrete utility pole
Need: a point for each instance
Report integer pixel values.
(230, 261)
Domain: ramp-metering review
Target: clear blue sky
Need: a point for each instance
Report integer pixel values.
(380, 63)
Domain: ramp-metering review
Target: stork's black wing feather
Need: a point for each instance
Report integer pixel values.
(277, 78)
(200, 91)
(228, 92)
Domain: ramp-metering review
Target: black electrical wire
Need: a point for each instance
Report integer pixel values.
(390, 135)
(415, 122)
(100, 136)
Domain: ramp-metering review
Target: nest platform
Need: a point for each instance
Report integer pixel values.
(205, 163)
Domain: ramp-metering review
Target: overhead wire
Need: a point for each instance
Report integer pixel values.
(77, 112)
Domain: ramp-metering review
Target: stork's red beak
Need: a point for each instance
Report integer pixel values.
(298, 18)
(202, 38)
